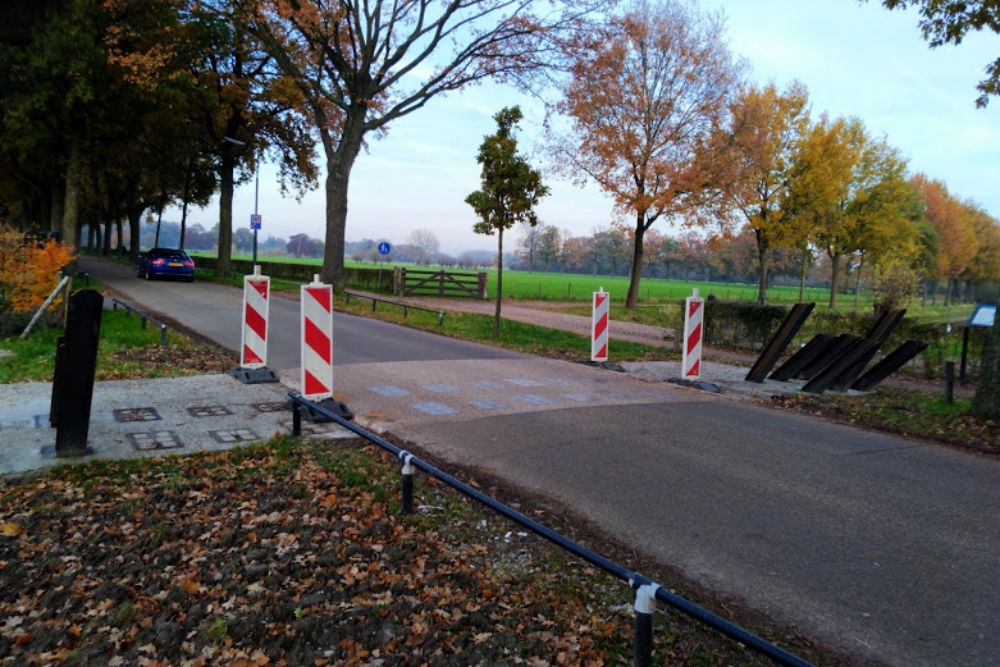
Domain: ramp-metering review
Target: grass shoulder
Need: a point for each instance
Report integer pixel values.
(125, 351)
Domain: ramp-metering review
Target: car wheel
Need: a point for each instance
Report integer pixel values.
(189, 279)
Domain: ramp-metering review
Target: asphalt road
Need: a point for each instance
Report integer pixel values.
(884, 547)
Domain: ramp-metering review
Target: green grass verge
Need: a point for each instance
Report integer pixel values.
(514, 335)
(125, 350)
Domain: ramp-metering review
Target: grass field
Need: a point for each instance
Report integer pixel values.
(656, 292)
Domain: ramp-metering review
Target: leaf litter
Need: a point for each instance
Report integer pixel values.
(295, 553)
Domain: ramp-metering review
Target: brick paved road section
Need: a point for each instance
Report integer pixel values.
(435, 391)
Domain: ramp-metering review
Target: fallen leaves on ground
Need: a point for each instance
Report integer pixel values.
(900, 412)
(294, 553)
(157, 361)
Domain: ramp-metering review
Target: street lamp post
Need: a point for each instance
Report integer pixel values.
(256, 195)
(254, 224)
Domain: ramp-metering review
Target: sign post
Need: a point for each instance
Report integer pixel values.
(599, 326)
(694, 316)
(983, 316)
(255, 226)
(383, 249)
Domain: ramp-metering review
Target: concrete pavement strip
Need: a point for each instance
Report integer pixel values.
(133, 418)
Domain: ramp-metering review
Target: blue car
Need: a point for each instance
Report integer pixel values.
(165, 263)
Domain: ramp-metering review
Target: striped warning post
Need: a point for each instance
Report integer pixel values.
(317, 340)
(694, 316)
(599, 327)
(253, 347)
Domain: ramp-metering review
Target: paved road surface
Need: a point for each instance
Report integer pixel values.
(884, 547)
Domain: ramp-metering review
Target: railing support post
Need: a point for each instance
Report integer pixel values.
(408, 471)
(645, 607)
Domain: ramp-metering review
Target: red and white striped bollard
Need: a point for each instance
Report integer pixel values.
(694, 317)
(317, 340)
(599, 326)
(256, 307)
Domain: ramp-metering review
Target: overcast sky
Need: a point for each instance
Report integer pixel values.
(855, 59)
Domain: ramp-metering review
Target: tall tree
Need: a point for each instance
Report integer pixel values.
(549, 246)
(361, 65)
(949, 21)
(953, 222)
(509, 192)
(528, 243)
(766, 134)
(427, 243)
(645, 94)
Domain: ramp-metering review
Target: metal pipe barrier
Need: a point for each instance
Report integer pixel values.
(405, 306)
(647, 592)
(115, 302)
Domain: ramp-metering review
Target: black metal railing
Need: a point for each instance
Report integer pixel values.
(405, 306)
(647, 592)
(129, 309)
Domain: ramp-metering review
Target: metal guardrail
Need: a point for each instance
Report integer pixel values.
(405, 306)
(115, 302)
(647, 592)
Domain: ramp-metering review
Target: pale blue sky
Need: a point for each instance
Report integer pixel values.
(855, 59)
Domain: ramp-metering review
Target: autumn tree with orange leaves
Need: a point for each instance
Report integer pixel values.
(954, 222)
(766, 135)
(360, 66)
(645, 94)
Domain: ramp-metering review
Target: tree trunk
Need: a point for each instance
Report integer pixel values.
(71, 210)
(184, 204)
(762, 247)
(121, 237)
(106, 243)
(134, 218)
(834, 278)
(159, 221)
(57, 199)
(339, 163)
(857, 287)
(226, 186)
(496, 315)
(632, 300)
(802, 276)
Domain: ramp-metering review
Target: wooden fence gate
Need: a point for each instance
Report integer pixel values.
(408, 282)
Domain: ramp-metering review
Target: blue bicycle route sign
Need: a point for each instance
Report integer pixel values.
(384, 248)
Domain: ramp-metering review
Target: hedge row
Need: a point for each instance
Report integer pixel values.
(357, 278)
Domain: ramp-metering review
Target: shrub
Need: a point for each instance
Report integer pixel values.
(28, 271)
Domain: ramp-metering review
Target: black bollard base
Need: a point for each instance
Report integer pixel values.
(253, 375)
(50, 452)
(697, 384)
(336, 407)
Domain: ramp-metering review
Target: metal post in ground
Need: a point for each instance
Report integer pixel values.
(645, 607)
(296, 418)
(408, 470)
(949, 382)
